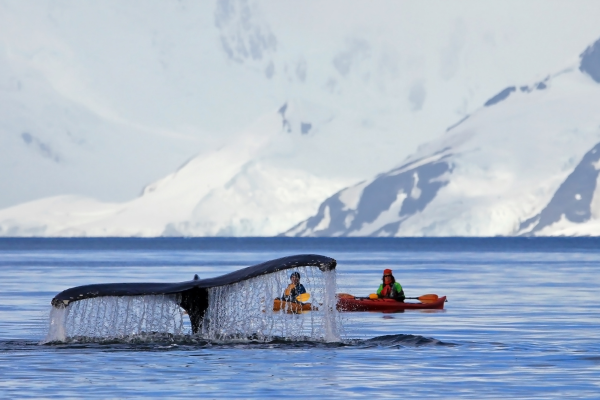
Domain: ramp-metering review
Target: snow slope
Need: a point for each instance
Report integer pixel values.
(232, 191)
(98, 99)
(526, 163)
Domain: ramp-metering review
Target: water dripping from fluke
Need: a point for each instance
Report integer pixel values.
(233, 307)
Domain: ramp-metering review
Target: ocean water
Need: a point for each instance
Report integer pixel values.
(522, 322)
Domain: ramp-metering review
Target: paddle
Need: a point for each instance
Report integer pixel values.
(303, 297)
(426, 298)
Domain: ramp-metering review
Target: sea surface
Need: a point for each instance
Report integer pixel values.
(522, 321)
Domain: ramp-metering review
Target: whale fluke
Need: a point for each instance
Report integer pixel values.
(193, 295)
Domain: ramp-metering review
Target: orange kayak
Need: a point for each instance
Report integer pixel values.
(348, 302)
(294, 308)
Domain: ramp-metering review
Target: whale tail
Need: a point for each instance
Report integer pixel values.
(191, 295)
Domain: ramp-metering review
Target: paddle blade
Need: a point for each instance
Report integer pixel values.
(428, 298)
(373, 296)
(303, 297)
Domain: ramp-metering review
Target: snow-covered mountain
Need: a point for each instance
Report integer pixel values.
(526, 163)
(236, 190)
(99, 99)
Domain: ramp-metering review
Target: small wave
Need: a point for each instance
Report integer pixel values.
(162, 341)
(404, 341)
(169, 341)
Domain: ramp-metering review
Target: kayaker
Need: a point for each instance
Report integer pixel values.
(390, 288)
(294, 289)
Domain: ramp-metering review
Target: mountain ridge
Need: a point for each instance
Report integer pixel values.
(559, 203)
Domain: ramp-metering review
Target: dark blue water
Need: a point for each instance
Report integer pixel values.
(522, 321)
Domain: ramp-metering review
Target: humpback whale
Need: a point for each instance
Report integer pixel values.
(193, 294)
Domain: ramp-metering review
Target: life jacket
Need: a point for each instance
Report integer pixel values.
(387, 290)
(288, 290)
(391, 291)
(292, 291)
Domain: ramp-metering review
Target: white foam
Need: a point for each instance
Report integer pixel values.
(56, 330)
(116, 318)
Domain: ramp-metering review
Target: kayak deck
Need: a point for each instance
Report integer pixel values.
(347, 302)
